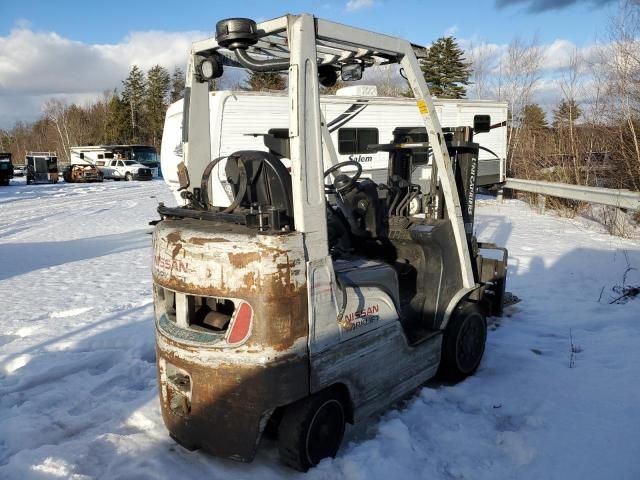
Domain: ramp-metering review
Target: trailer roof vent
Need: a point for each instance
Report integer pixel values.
(234, 33)
(358, 91)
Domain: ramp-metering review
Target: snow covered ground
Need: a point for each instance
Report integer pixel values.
(78, 394)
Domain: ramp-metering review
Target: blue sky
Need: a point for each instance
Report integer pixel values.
(77, 50)
(418, 21)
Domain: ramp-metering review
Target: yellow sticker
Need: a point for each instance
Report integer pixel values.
(422, 106)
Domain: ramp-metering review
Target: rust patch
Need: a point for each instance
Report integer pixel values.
(241, 260)
(174, 237)
(176, 250)
(250, 280)
(205, 241)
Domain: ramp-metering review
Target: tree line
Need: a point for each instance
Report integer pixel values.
(133, 115)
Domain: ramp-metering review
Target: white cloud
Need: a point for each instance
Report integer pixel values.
(556, 56)
(554, 71)
(353, 5)
(35, 66)
(451, 31)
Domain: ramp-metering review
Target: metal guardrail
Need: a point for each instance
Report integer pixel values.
(603, 196)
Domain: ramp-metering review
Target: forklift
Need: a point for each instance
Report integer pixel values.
(315, 297)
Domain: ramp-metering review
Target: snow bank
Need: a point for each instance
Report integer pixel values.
(556, 396)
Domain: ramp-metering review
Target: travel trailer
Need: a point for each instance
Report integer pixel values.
(356, 117)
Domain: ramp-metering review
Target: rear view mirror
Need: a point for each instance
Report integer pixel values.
(351, 72)
(481, 123)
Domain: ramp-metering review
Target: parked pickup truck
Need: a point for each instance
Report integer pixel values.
(6, 168)
(117, 169)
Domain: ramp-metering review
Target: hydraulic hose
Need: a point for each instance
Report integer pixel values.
(490, 151)
(267, 65)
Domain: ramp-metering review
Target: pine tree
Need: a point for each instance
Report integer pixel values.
(445, 69)
(177, 85)
(533, 116)
(116, 128)
(259, 81)
(156, 95)
(566, 113)
(133, 95)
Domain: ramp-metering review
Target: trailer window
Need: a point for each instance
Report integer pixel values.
(108, 155)
(100, 156)
(356, 140)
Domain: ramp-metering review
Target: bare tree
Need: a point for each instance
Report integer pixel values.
(56, 112)
(386, 80)
(482, 58)
(623, 62)
(569, 83)
(518, 76)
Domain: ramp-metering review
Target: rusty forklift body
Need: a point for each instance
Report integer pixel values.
(301, 304)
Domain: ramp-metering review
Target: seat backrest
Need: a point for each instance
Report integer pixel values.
(277, 141)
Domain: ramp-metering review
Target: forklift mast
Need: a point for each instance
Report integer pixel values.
(302, 45)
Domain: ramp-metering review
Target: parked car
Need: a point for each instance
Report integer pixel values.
(118, 169)
(18, 170)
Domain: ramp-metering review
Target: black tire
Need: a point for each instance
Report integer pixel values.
(128, 177)
(463, 343)
(310, 430)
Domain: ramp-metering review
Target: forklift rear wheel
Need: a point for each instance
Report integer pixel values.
(310, 430)
(463, 342)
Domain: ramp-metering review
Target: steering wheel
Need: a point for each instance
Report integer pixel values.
(330, 188)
